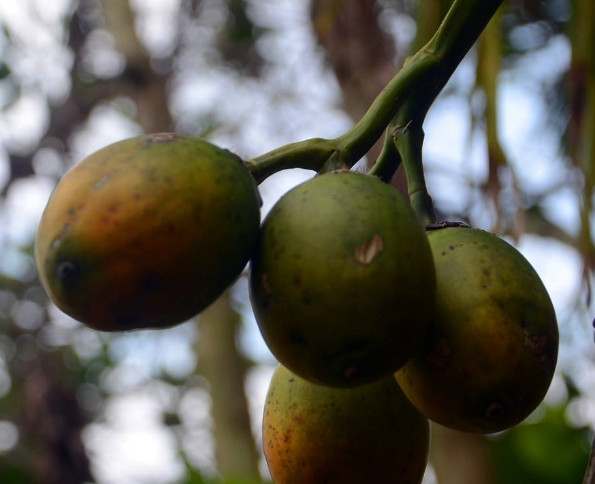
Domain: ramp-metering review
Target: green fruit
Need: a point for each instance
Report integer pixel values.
(342, 281)
(491, 352)
(147, 232)
(317, 435)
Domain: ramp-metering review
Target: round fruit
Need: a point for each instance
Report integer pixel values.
(147, 232)
(490, 354)
(316, 434)
(342, 280)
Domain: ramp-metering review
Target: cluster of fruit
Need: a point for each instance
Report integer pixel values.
(379, 323)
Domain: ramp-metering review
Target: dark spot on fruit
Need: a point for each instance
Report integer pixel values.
(67, 271)
(356, 346)
(495, 412)
(150, 283)
(487, 272)
(350, 372)
(297, 338)
(127, 320)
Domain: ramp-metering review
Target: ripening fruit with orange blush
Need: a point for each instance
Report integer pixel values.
(146, 232)
(491, 351)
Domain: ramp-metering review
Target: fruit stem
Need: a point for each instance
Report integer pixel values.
(422, 76)
(388, 161)
(408, 138)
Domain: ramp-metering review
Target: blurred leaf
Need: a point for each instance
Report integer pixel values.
(547, 452)
(4, 70)
(11, 474)
(237, 40)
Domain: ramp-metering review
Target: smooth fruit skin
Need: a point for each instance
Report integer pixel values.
(491, 352)
(342, 280)
(147, 232)
(318, 435)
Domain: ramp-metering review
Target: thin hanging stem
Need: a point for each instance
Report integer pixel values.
(408, 139)
(388, 161)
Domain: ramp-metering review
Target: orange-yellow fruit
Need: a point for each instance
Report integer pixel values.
(342, 281)
(491, 351)
(147, 232)
(318, 435)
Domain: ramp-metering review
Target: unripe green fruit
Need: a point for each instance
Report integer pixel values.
(147, 232)
(491, 352)
(342, 281)
(317, 435)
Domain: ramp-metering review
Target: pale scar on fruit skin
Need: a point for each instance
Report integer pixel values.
(161, 138)
(366, 253)
(105, 179)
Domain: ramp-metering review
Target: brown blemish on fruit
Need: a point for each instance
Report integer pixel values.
(537, 344)
(366, 253)
(265, 284)
(350, 371)
(440, 353)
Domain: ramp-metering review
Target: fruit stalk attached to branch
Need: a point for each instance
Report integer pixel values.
(423, 76)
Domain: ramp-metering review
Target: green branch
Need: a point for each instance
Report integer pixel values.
(422, 77)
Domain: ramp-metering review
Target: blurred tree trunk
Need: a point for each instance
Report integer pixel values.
(51, 418)
(147, 88)
(222, 365)
(581, 125)
(461, 458)
(360, 53)
(220, 360)
(52, 423)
